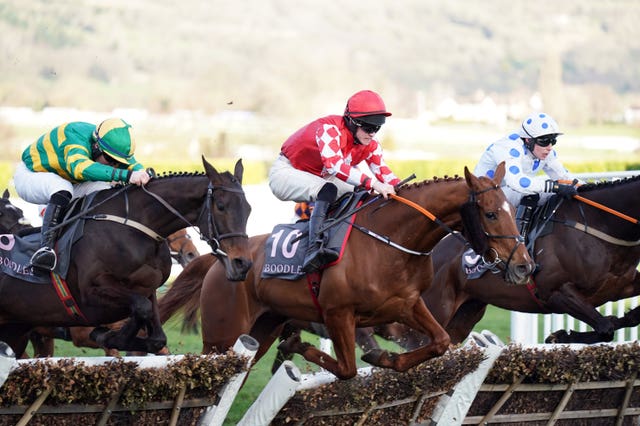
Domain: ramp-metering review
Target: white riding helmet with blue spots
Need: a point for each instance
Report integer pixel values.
(538, 124)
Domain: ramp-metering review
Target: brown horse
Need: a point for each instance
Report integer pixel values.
(117, 277)
(375, 282)
(589, 258)
(183, 250)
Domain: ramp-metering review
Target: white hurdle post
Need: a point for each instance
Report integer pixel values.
(274, 396)
(215, 415)
(7, 361)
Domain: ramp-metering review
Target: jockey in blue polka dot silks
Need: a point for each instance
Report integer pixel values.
(527, 152)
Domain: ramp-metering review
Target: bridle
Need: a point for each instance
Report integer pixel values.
(213, 236)
(519, 239)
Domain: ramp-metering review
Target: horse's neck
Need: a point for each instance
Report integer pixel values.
(412, 227)
(181, 194)
(621, 198)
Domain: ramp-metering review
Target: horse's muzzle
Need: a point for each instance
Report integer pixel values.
(237, 268)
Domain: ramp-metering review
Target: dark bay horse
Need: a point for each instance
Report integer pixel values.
(182, 249)
(588, 259)
(12, 220)
(122, 258)
(373, 283)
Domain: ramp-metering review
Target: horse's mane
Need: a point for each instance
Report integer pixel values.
(435, 180)
(172, 174)
(605, 184)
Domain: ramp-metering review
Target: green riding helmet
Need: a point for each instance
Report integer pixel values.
(115, 139)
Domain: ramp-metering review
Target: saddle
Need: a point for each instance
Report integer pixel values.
(286, 246)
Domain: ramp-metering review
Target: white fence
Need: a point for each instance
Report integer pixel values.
(533, 328)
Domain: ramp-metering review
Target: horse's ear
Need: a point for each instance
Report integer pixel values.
(5, 194)
(239, 170)
(499, 174)
(209, 169)
(471, 179)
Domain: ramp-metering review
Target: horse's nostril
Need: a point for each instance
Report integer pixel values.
(242, 264)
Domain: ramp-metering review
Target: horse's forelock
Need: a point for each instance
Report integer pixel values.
(472, 227)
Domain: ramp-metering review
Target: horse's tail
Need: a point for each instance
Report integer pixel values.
(184, 292)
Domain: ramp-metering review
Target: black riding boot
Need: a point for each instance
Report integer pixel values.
(524, 213)
(317, 255)
(45, 258)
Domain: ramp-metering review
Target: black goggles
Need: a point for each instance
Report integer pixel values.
(545, 141)
(111, 161)
(366, 127)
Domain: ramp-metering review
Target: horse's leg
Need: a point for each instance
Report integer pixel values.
(81, 338)
(424, 322)
(42, 345)
(282, 355)
(405, 337)
(365, 339)
(341, 327)
(568, 300)
(630, 319)
(16, 336)
(464, 319)
(144, 315)
(266, 330)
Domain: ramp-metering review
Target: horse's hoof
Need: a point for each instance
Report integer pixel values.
(98, 334)
(378, 358)
(155, 346)
(560, 336)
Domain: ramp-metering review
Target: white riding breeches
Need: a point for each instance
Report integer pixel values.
(37, 187)
(290, 184)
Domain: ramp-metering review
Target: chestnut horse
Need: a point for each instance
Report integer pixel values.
(589, 258)
(375, 282)
(117, 277)
(183, 250)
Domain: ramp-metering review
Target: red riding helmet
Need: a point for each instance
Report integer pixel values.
(366, 103)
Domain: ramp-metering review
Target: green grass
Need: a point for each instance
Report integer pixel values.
(497, 320)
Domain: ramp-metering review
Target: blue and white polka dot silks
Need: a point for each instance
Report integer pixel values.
(525, 174)
(538, 124)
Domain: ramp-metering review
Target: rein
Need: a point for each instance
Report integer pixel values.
(606, 209)
(583, 227)
(214, 237)
(433, 218)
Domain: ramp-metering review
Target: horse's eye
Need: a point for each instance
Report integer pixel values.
(220, 206)
(491, 215)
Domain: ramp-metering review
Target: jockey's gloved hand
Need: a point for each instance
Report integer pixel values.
(382, 188)
(139, 177)
(565, 191)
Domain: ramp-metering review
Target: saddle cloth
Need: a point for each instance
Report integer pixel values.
(286, 247)
(472, 264)
(16, 250)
